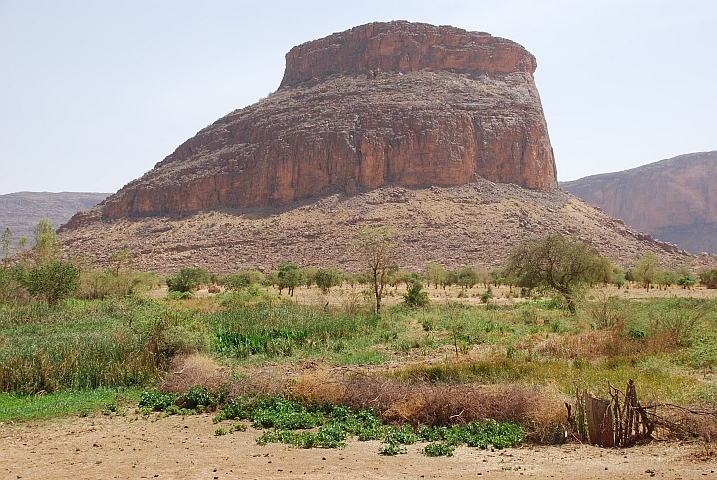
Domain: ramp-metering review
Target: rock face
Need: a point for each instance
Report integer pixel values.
(381, 104)
(674, 199)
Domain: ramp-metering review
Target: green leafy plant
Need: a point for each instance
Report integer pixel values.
(200, 396)
(53, 281)
(156, 400)
(439, 450)
(188, 280)
(415, 297)
(391, 449)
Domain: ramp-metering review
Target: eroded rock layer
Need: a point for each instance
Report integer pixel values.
(382, 104)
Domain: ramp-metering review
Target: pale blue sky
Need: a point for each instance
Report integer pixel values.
(94, 93)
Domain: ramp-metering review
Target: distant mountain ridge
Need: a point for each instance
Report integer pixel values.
(675, 199)
(21, 211)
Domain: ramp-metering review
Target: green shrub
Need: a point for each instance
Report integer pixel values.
(439, 450)
(12, 284)
(236, 409)
(183, 339)
(280, 413)
(99, 284)
(241, 280)
(188, 280)
(53, 281)
(179, 295)
(200, 396)
(709, 278)
(415, 297)
(156, 400)
(391, 449)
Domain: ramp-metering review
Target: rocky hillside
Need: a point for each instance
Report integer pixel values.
(23, 210)
(472, 224)
(674, 199)
(382, 104)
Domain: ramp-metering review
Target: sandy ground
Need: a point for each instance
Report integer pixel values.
(339, 296)
(186, 448)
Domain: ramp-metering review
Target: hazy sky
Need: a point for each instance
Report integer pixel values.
(94, 93)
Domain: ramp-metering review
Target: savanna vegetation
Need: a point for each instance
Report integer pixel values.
(511, 345)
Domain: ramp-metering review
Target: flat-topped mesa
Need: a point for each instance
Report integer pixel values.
(382, 104)
(405, 47)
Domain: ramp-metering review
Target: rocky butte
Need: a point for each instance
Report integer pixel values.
(435, 130)
(384, 103)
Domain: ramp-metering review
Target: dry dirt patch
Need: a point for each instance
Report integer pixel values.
(186, 448)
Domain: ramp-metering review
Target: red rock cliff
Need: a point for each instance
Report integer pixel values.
(384, 103)
(673, 199)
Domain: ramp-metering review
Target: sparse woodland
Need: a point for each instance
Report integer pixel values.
(477, 357)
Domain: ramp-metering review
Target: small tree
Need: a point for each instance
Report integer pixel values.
(618, 276)
(240, 280)
(645, 271)
(289, 277)
(327, 278)
(435, 274)
(555, 261)
(468, 277)
(53, 281)
(410, 278)
(451, 278)
(601, 271)
(375, 248)
(308, 276)
(12, 283)
(46, 247)
(495, 277)
(121, 259)
(188, 280)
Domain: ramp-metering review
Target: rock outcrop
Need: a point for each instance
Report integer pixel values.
(675, 199)
(381, 104)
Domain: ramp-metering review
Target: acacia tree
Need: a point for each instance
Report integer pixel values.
(121, 258)
(289, 277)
(560, 263)
(46, 247)
(435, 274)
(375, 248)
(326, 278)
(646, 270)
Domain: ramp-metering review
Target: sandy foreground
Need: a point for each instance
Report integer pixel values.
(186, 448)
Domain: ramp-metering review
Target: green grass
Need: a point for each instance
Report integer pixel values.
(653, 385)
(72, 347)
(287, 332)
(107, 345)
(18, 407)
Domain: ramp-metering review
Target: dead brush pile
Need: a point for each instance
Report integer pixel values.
(195, 370)
(610, 342)
(398, 402)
